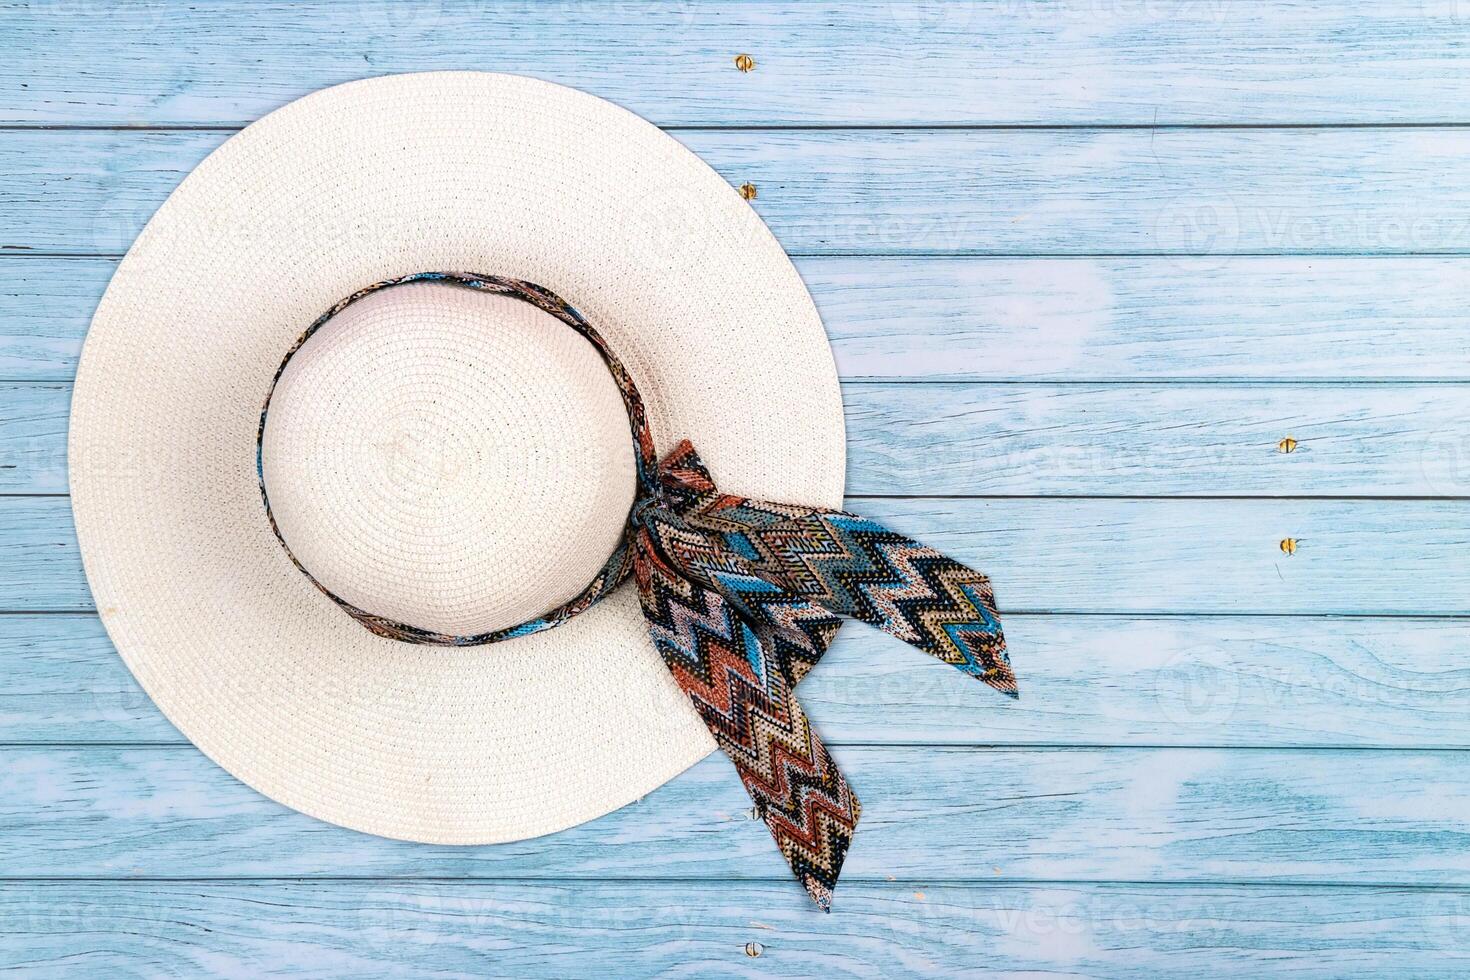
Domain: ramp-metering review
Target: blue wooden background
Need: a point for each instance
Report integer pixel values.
(1084, 263)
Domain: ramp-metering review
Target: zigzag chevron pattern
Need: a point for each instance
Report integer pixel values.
(742, 599)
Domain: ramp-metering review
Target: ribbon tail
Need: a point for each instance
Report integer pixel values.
(743, 597)
(857, 567)
(740, 678)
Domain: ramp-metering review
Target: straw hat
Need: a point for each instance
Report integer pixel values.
(454, 459)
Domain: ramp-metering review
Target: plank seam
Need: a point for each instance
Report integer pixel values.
(1182, 381)
(966, 748)
(1016, 613)
(26, 252)
(847, 879)
(1328, 497)
(926, 746)
(1029, 611)
(797, 127)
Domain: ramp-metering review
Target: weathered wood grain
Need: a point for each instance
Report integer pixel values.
(1046, 439)
(1203, 193)
(33, 425)
(1381, 817)
(1100, 319)
(1039, 439)
(1087, 680)
(980, 61)
(1071, 555)
(705, 929)
(992, 319)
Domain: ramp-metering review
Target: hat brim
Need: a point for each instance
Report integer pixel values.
(358, 183)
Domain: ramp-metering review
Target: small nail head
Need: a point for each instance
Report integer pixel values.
(748, 191)
(1286, 445)
(1288, 546)
(754, 949)
(745, 62)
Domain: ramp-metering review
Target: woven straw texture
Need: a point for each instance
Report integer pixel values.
(389, 423)
(353, 185)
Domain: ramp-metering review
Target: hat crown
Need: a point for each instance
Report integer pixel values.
(449, 459)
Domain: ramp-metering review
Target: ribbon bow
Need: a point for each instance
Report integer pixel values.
(742, 599)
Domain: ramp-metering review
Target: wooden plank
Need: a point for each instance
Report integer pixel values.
(1202, 440)
(986, 61)
(1102, 319)
(33, 424)
(699, 928)
(991, 319)
(1087, 680)
(1383, 817)
(1060, 555)
(1203, 193)
(46, 306)
(1046, 439)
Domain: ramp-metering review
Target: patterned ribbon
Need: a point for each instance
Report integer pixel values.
(742, 598)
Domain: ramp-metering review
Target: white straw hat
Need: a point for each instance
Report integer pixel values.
(451, 458)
